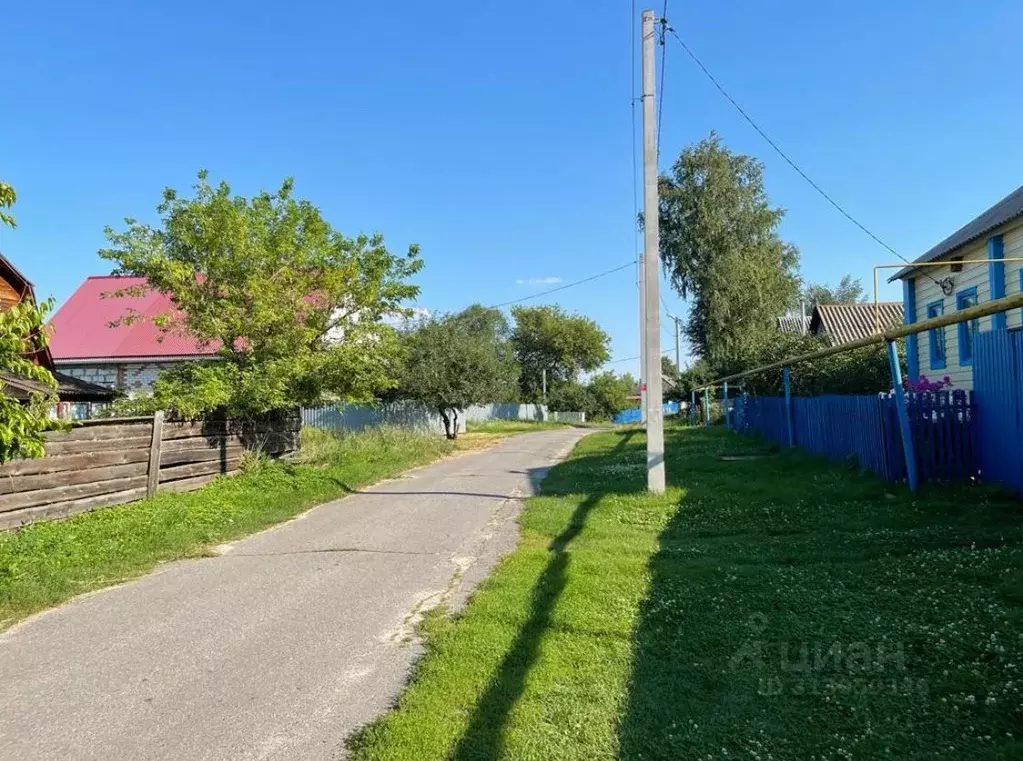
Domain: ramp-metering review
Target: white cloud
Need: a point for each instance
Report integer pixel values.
(538, 281)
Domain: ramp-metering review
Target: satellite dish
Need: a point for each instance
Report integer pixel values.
(948, 285)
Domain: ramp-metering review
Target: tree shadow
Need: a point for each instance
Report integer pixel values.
(484, 736)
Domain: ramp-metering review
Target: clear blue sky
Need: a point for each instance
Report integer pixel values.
(498, 135)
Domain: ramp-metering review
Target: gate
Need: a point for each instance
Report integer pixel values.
(998, 392)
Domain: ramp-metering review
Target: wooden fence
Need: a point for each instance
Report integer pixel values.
(109, 462)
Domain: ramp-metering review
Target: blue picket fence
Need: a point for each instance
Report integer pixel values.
(866, 428)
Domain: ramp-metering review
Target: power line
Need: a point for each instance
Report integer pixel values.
(632, 359)
(660, 96)
(635, 165)
(566, 285)
(779, 151)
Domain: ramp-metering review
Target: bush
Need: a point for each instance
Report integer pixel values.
(858, 371)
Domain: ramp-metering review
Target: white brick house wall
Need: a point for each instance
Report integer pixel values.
(130, 377)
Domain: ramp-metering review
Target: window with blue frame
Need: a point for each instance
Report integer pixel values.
(936, 336)
(964, 300)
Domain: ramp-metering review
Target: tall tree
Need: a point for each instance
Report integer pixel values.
(548, 338)
(459, 360)
(295, 308)
(721, 249)
(848, 291)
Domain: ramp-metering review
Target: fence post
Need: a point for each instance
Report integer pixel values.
(153, 474)
(706, 406)
(787, 382)
(728, 416)
(692, 407)
(900, 407)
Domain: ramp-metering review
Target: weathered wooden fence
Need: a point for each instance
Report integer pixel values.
(109, 462)
(866, 428)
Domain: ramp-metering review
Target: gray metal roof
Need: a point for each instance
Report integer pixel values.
(793, 323)
(843, 323)
(1005, 210)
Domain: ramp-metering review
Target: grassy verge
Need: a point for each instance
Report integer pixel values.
(47, 563)
(774, 608)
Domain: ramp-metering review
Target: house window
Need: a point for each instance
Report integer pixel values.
(964, 300)
(936, 336)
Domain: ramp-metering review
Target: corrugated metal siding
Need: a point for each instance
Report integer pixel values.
(843, 323)
(998, 373)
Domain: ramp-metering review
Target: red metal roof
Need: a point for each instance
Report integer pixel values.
(81, 327)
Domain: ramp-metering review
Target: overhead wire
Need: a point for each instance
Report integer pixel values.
(660, 83)
(611, 271)
(779, 151)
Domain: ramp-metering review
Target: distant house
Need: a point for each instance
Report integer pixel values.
(960, 281)
(128, 357)
(76, 397)
(845, 323)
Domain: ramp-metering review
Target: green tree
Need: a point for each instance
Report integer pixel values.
(859, 371)
(848, 291)
(295, 309)
(721, 249)
(23, 335)
(548, 338)
(569, 396)
(7, 198)
(609, 395)
(459, 360)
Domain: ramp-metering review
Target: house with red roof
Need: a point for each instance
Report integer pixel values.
(127, 356)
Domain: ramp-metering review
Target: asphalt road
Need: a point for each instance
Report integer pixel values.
(281, 645)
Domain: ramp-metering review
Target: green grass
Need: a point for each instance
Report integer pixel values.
(46, 563)
(775, 608)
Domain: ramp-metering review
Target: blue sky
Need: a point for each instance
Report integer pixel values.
(498, 135)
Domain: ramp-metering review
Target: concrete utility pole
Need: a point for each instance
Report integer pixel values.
(651, 338)
(641, 259)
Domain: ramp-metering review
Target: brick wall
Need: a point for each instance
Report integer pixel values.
(132, 377)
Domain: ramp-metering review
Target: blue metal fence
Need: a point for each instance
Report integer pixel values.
(998, 384)
(635, 415)
(866, 428)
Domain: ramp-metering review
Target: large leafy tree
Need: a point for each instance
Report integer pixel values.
(609, 395)
(721, 249)
(27, 389)
(295, 309)
(456, 361)
(548, 338)
(848, 290)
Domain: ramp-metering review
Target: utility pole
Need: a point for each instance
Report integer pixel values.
(642, 344)
(651, 272)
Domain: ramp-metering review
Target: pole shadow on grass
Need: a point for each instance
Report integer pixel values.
(484, 737)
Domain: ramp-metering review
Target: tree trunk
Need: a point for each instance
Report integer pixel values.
(454, 433)
(447, 423)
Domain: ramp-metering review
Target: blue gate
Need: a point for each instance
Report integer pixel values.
(998, 390)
